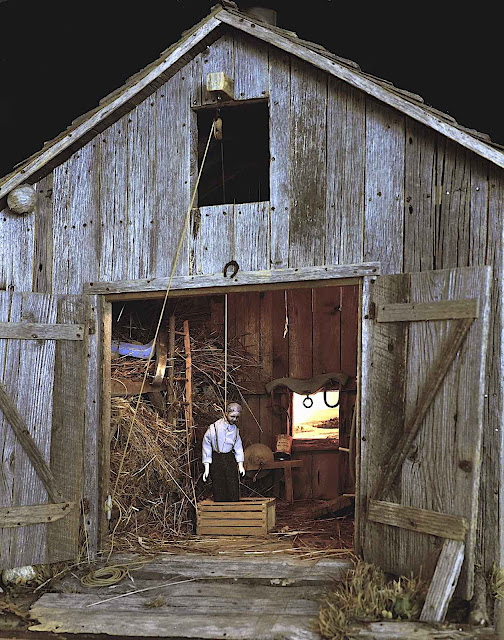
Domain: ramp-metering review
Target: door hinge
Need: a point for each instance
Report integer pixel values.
(371, 313)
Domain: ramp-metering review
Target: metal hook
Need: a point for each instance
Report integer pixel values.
(331, 406)
(307, 402)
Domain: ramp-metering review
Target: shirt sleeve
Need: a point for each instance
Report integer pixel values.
(238, 449)
(206, 448)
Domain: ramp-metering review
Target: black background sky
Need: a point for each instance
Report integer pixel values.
(58, 58)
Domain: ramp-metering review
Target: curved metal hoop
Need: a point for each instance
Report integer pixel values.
(307, 402)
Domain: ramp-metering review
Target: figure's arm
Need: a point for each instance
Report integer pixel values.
(239, 456)
(206, 457)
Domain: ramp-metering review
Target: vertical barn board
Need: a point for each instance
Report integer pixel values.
(43, 258)
(491, 503)
(175, 130)
(34, 368)
(420, 227)
(349, 328)
(212, 238)
(93, 409)
(218, 57)
(142, 180)
(454, 198)
(442, 471)
(247, 333)
(346, 127)
(104, 435)
(251, 232)
(280, 143)
(307, 165)
(478, 227)
(268, 436)
(250, 67)
(83, 233)
(280, 364)
(68, 419)
(114, 254)
(384, 201)
(382, 391)
(61, 222)
(300, 333)
(326, 329)
(16, 260)
(10, 311)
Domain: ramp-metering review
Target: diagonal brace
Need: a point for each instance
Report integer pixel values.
(435, 378)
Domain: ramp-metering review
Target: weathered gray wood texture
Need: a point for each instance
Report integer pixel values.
(352, 180)
(441, 471)
(46, 380)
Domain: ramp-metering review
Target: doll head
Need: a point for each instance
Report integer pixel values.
(233, 411)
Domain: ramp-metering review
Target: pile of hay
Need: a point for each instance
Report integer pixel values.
(367, 595)
(155, 491)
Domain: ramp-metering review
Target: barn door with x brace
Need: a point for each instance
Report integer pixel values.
(43, 370)
(424, 341)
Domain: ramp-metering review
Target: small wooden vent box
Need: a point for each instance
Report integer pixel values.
(248, 517)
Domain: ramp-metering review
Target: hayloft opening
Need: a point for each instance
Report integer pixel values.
(295, 334)
(236, 169)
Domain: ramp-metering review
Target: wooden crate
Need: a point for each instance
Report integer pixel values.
(248, 517)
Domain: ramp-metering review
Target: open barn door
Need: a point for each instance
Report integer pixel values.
(424, 341)
(43, 371)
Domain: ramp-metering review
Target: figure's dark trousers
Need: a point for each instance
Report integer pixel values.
(224, 475)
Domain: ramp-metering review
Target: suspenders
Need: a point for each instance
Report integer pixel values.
(217, 441)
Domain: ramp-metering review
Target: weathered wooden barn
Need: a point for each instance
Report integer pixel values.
(370, 218)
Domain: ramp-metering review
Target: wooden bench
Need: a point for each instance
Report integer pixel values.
(287, 466)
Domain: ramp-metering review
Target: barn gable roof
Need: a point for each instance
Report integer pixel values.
(195, 40)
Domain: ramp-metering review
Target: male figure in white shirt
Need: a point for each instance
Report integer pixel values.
(222, 450)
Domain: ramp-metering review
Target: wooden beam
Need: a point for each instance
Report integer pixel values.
(417, 311)
(40, 331)
(34, 514)
(435, 378)
(363, 82)
(443, 582)
(243, 278)
(279, 464)
(422, 520)
(19, 427)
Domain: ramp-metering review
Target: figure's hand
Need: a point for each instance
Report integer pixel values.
(241, 469)
(206, 471)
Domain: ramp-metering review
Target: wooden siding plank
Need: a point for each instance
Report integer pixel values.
(34, 399)
(218, 57)
(443, 582)
(384, 201)
(491, 503)
(16, 263)
(349, 328)
(250, 68)
(175, 170)
(266, 355)
(38, 331)
(114, 254)
(61, 247)
(34, 514)
(251, 232)
(265, 278)
(300, 335)
(420, 211)
(453, 198)
(446, 453)
(423, 311)
(384, 348)
(344, 222)
(43, 240)
(141, 199)
(421, 520)
(10, 308)
(213, 240)
(478, 227)
(326, 351)
(280, 143)
(307, 165)
(68, 420)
